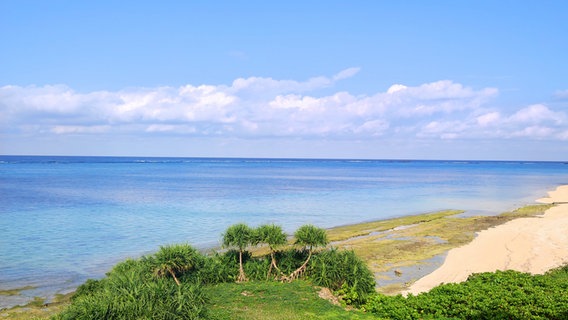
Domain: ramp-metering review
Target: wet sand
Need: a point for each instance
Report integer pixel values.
(534, 245)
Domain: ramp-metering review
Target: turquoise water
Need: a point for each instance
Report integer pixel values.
(66, 219)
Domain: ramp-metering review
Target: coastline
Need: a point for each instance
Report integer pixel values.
(401, 250)
(106, 222)
(533, 245)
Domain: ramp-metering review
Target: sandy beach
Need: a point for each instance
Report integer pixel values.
(534, 245)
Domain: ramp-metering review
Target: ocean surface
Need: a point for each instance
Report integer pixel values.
(66, 219)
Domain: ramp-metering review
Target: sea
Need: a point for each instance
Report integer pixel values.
(64, 220)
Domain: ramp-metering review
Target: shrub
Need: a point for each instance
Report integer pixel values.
(219, 268)
(256, 268)
(498, 295)
(131, 291)
(290, 260)
(174, 260)
(126, 296)
(344, 272)
(87, 288)
(387, 307)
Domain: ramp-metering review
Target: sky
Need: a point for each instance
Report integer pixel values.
(483, 80)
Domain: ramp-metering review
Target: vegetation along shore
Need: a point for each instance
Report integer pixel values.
(361, 271)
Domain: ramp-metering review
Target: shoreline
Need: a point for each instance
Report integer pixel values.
(401, 250)
(533, 245)
(406, 248)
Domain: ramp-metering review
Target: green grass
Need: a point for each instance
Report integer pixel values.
(274, 300)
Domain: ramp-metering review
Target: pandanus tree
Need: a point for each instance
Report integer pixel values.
(309, 237)
(240, 236)
(274, 237)
(173, 260)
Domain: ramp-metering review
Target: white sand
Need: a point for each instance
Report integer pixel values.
(534, 245)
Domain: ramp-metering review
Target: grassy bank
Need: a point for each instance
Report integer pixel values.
(277, 301)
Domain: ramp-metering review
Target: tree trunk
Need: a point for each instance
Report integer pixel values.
(242, 277)
(296, 274)
(273, 265)
(174, 276)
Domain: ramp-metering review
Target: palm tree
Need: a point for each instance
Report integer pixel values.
(272, 235)
(309, 237)
(174, 259)
(239, 235)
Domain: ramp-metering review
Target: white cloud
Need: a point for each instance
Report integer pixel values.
(275, 87)
(373, 127)
(488, 119)
(534, 132)
(443, 129)
(79, 129)
(265, 107)
(396, 87)
(347, 73)
(537, 113)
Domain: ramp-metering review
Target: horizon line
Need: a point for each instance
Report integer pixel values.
(281, 158)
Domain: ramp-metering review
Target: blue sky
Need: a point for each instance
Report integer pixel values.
(318, 79)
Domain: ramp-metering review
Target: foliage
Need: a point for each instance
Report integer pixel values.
(271, 234)
(256, 268)
(241, 236)
(308, 236)
(311, 236)
(344, 272)
(173, 260)
(391, 307)
(499, 295)
(130, 291)
(219, 268)
(238, 235)
(290, 260)
(274, 236)
(90, 286)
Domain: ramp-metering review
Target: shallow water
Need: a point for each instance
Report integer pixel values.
(66, 219)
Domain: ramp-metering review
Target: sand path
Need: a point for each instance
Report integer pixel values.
(533, 245)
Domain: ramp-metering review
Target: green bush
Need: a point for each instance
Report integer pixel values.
(387, 307)
(290, 260)
(219, 268)
(257, 268)
(87, 288)
(174, 260)
(498, 295)
(126, 296)
(344, 272)
(132, 291)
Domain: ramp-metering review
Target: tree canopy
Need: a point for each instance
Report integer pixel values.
(241, 236)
